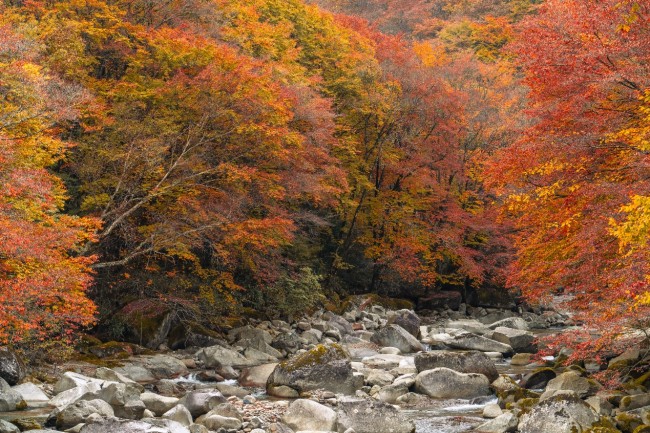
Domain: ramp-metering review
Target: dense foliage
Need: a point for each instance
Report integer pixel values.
(216, 154)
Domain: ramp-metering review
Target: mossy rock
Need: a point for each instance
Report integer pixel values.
(26, 424)
(524, 405)
(113, 349)
(539, 378)
(508, 391)
(147, 321)
(192, 334)
(319, 355)
(642, 429)
(627, 422)
(643, 380)
(603, 425)
(323, 367)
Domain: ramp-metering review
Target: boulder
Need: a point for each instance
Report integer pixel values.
(70, 396)
(165, 366)
(201, 402)
(113, 376)
(520, 341)
(510, 322)
(256, 377)
(572, 381)
(261, 346)
(559, 414)
(367, 416)
(71, 380)
(32, 394)
(77, 412)
(446, 383)
(147, 322)
(469, 325)
(407, 319)
(216, 422)
(7, 427)
(180, 414)
(538, 379)
(167, 424)
(217, 356)
(122, 426)
(379, 378)
(11, 400)
(391, 393)
(509, 391)
(396, 336)
(505, 423)
(158, 404)
(309, 415)
(492, 410)
(521, 359)
(289, 342)
(249, 333)
(12, 368)
(462, 362)
(136, 372)
(470, 341)
(323, 367)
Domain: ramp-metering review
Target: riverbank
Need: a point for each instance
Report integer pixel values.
(369, 370)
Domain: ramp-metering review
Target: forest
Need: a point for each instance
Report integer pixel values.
(232, 158)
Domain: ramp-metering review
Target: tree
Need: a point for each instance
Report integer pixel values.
(43, 280)
(575, 182)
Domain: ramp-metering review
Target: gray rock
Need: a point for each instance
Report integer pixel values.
(309, 415)
(136, 372)
(636, 401)
(167, 424)
(257, 376)
(470, 341)
(113, 376)
(560, 414)
(158, 404)
(122, 426)
(180, 414)
(446, 383)
(7, 427)
(510, 322)
(71, 380)
(12, 368)
(469, 325)
(539, 379)
(407, 319)
(165, 366)
(391, 393)
(77, 412)
(289, 342)
(396, 336)
(505, 423)
(323, 367)
(492, 410)
(11, 400)
(572, 381)
(217, 356)
(520, 341)
(70, 396)
(201, 402)
(249, 333)
(379, 377)
(216, 422)
(462, 362)
(367, 416)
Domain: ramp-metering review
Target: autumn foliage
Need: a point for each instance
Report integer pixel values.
(245, 153)
(576, 183)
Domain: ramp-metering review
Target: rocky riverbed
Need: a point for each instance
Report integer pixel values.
(371, 370)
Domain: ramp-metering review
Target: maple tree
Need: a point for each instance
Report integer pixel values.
(43, 283)
(576, 183)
